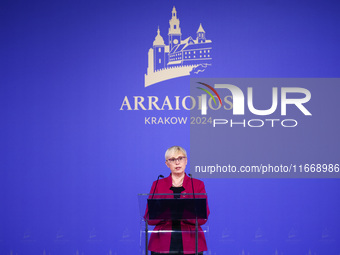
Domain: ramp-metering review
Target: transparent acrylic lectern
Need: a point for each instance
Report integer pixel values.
(171, 223)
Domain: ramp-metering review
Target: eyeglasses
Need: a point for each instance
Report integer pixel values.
(173, 160)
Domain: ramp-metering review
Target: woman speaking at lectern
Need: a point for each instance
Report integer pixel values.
(177, 237)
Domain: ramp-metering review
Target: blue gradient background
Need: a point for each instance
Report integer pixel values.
(72, 163)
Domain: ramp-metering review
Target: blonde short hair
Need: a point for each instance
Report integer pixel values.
(172, 150)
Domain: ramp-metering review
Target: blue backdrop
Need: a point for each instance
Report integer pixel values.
(72, 160)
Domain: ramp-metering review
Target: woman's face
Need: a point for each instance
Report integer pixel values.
(177, 163)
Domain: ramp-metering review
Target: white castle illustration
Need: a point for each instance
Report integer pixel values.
(179, 57)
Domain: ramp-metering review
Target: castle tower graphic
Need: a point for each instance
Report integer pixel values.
(179, 57)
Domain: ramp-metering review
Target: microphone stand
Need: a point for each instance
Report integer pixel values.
(159, 176)
(146, 222)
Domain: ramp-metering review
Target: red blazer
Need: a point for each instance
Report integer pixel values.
(160, 239)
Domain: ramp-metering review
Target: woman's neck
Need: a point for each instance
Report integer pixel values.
(177, 179)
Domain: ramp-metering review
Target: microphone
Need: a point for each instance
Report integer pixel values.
(159, 176)
(192, 185)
